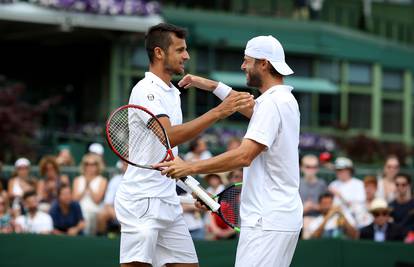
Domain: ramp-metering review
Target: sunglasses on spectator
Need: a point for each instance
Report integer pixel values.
(91, 163)
(380, 213)
(392, 166)
(401, 184)
(311, 166)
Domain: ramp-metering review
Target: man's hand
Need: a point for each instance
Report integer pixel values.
(73, 231)
(176, 168)
(190, 80)
(236, 101)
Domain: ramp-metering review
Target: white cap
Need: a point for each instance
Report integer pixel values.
(378, 204)
(97, 149)
(343, 163)
(22, 162)
(269, 48)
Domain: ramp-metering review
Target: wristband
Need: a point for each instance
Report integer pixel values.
(222, 90)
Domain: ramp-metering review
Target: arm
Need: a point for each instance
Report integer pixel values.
(230, 160)
(179, 134)
(76, 194)
(209, 85)
(99, 194)
(76, 229)
(349, 229)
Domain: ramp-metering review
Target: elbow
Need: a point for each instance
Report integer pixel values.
(245, 160)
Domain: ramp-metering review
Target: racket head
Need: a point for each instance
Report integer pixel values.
(136, 136)
(229, 200)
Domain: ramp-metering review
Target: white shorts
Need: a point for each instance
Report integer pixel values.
(265, 248)
(154, 232)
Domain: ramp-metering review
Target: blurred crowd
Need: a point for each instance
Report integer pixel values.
(379, 207)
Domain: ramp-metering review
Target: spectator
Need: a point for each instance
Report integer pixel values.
(386, 185)
(348, 191)
(214, 182)
(370, 186)
(49, 170)
(34, 221)
(106, 216)
(97, 149)
(300, 11)
(311, 187)
(65, 158)
(198, 150)
(89, 190)
(233, 143)
(315, 7)
(403, 205)
(20, 184)
(333, 222)
(192, 217)
(66, 214)
(235, 176)
(5, 218)
(381, 229)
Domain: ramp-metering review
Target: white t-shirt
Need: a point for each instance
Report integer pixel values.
(162, 100)
(271, 184)
(40, 223)
(111, 190)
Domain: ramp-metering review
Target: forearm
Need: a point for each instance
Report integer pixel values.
(350, 230)
(230, 160)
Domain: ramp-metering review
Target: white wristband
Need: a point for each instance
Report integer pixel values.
(222, 90)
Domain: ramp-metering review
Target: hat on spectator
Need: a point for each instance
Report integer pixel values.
(97, 149)
(379, 204)
(22, 162)
(269, 48)
(343, 163)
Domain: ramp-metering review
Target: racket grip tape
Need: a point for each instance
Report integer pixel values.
(202, 194)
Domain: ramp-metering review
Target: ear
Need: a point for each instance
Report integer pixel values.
(159, 53)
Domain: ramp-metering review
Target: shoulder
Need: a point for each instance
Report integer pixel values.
(44, 216)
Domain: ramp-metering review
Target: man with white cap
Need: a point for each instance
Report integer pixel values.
(349, 191)
(271, 209)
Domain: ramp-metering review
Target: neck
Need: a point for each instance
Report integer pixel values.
(269, 82)
(158, 70)
(32, 213)
(310, 178)
(402, 198)
(64, 207)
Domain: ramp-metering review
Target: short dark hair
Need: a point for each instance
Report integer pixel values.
(325, 195)
(28, 194)
(60, 189)
(160, 36)
(404, 175)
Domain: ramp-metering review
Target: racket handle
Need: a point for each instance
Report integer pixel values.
(193, 184)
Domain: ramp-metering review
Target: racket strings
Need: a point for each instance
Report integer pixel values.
(137, 137)
(230, 205)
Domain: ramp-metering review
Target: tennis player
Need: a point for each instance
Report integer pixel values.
(153, 231)
(271, 209)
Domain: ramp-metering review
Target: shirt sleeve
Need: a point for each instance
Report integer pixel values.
(264, 124)
(149, 99)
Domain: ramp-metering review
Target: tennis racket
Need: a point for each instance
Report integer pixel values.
(136, 136)
(229, 200)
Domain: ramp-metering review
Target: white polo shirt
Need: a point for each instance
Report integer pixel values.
(162, 100)
(271, 184)
(40, 223)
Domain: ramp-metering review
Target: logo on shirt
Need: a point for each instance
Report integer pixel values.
(150, 97)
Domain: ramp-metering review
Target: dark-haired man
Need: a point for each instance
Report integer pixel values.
(34, 221)
(153, 231)
(271, 209)
(403, 205)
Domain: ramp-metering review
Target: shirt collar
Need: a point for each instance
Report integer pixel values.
(281, 88)
(157, 80)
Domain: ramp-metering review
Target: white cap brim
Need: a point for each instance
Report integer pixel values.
(282, 68)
